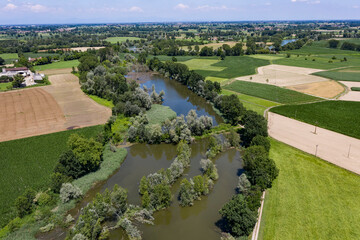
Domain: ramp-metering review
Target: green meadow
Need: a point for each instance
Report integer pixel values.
(310, 199)
(121, 39)
(58, 65)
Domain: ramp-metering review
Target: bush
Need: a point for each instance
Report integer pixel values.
(24, 203)
(261, 141)
(43, 199)
(239, 219)
(260, 169)
(234, 138)
(68, 192)
(56, 181)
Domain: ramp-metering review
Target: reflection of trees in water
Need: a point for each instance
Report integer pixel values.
(156, 151)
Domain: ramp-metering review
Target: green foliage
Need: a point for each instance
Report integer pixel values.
(24, 204)
(338, 116)
(161, 196)
(159, 113)
(357, 89)
(56, 181)
(231, 108)
(260, 169)
(144, 185)
(234, 138)
(145, 200)
(186, 193)
(57, 65)
(199, 185)
(102, 101)
(239, 219)
(254, 125)
(270, 92)
(18, 81)
(260, 140)
(87, 151)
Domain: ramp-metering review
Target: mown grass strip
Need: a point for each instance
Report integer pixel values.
(319, 195)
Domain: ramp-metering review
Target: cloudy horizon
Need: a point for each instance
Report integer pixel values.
(111, 11)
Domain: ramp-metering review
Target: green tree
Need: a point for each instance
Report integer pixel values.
(333, 43)
(145, 200)
(199, 186)
(160, 196)
(260, 169)
(261, 141)
(144, 185)
(186, 193)
(254, 124)
(24, 203)
(2, 61)
(239, 219)
(18, 81)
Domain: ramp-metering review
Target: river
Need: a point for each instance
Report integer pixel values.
(198, 221)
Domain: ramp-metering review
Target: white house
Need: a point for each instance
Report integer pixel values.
(29, 77)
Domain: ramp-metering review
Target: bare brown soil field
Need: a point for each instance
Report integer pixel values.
(57, 107)
(333, 147)
(327, 89)
(80, 49)
(351, 95)
(29, 112)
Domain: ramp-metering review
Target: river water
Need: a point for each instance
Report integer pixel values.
(196, 222)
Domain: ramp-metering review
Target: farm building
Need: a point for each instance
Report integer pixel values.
(30, 78)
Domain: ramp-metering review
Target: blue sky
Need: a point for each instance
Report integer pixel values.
(112, 11)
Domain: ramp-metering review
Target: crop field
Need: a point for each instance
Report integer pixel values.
(269, 57)
(338, 116)
(58, 65)
(9, 57)
(159, 113)
(121, 39)
(28, 163)
(40, 54)
(232, 66)
(310, 199)
(270, 92)
(258, 105)
(345, 74)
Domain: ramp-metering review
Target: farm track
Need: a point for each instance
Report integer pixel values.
(42, 110)
(333, 147)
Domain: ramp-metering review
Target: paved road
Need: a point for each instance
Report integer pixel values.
(333, 147)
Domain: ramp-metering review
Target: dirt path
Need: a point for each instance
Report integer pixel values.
(333, 147)
(351, 95)
(53, 108)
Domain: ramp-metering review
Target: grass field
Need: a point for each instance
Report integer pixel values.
(36, 55)
(58, 65)
(258, 105)
(121, 39)
(310, 199)
(204, 64)
(3, 86)
(28, 163)
(270, 92)
(345, 74)
(339, 116)
(159, 113)
(102, 101)
(9, 57)
(356, 89)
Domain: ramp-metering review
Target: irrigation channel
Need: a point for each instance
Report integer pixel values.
(198, 221)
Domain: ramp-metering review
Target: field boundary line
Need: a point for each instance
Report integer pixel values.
(255, 234)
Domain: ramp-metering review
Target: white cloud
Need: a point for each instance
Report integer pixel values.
(37, 8)
(181, 6)
(10, 7)
(209, 8)
(356, 7)
(135, 9)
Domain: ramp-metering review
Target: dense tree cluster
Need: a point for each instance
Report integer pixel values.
(155, 188)
(84, 156)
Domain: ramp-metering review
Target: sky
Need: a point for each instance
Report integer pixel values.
(125, 11)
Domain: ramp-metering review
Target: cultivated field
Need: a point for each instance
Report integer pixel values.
(333, 147)
(121, 39)
(29, 112)
(338, 116)
(28, 163)
(269, 92)
(310, 199)
(79, 110)
(48, 109)
(57, 65)
(296, 78)
(344, 74)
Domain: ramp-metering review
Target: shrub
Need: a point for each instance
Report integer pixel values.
(24, 203)
(47, 228)
(243, 185)
(261, 141)
(56, 181)
(43, 199)
(239, 219)
(68, 192)
(234, 138)
(186, 193)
